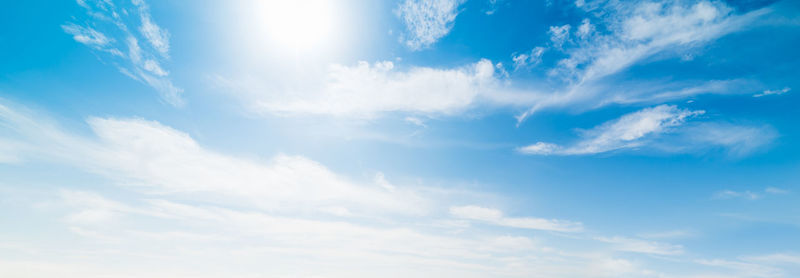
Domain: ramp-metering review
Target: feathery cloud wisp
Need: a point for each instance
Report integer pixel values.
(625, 132)
(496, 217)
(113, 35)
(642, 129)
(636, 31)
(427, 21)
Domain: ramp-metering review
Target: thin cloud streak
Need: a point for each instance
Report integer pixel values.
(662, 128)
(114, 35)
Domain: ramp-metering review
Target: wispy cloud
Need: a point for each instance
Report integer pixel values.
(623, 133)
(280, 209)
(529, 59)
(747, 194)
(642, 246)
(86, 35)
(427, 21)
(773, 92)
(777, 259)
(744, 268)
(737, 139)
(729, 194)
(644, 128)
(369, 90)
(415, 121)
(496, 217)
(493, 6)
(155, 35)
(289, 210)
(162, 160)
(671, 234)
(775, 190)
(642, 29)
(112, 31)
(559, 35)
(634, 32)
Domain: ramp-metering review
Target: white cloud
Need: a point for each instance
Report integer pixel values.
(625, 34)
(158, 163)
(747, 194)
(662, 128)
(183, 205)
(141, 62)
(381, 181)
(559, 34)
(635, 32)
(532, 58)
(612, 267)
(155, 159)
(295, 241)
(168, 161)
(427, 20)
(776, 259)
(738, 140)
(155, 68)
(86, 35)
(623, 133)
(655, 92)
(729, 194)
(541, 148)
(647, 28)
(93, 207)
(668, 234)
(773, 92)
(160, 160)
(586, 29)
(744, 269)
(642, 246)
(278, 211)
(415, 121)
(368, 90)
(157, 36)
(493, 6)
(496, 217)
(775, 190)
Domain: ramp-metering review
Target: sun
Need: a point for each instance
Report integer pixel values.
(297, 25)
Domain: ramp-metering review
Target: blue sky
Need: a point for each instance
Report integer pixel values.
(445, 138)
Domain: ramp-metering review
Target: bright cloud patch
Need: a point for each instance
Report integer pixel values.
(427, 21)
(625, 132)
(368, 90)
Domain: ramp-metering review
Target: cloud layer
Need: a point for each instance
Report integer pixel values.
(293, 212)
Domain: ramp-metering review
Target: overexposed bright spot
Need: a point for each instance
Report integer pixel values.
(299, 25)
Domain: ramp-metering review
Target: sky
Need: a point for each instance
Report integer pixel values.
(411, 138)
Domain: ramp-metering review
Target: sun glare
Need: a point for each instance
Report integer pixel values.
(298, 24)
